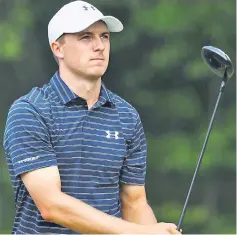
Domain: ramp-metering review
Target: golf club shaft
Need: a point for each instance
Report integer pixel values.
(201, 156)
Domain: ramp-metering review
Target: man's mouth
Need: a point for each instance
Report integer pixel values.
(99, 58)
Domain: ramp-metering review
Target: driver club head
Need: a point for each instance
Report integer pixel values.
(217, 61)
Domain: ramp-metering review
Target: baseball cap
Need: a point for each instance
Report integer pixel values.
(77, 16)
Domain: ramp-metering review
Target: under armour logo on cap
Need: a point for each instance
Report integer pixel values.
(86, 8)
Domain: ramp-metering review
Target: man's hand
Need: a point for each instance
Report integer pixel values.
(161, 228)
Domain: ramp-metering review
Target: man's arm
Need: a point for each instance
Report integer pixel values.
(134, 205)
(55, 206)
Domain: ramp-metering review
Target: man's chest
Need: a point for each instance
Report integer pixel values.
(89, 144)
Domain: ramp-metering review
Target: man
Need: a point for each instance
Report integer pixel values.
(76, 152)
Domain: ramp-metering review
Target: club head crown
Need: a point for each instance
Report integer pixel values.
(217, 61)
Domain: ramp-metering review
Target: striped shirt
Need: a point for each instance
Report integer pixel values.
(94, 149)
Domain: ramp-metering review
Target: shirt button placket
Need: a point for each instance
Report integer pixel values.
(84, 123)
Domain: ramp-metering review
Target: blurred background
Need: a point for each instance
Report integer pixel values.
(155, 65)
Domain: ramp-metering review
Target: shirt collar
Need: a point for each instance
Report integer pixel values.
(105, 97)
(62, 90)
(66, 95)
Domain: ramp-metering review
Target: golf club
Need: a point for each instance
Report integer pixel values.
(221, 65)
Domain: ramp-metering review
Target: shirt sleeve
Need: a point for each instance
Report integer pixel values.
(27, 140)
(134, 167)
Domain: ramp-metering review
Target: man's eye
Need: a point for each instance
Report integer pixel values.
(105, 36)
(86, 37)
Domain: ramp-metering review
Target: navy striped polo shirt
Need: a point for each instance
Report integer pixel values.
(94, 149)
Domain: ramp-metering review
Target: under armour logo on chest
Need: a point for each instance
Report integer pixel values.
(86, 8)
(112, 135)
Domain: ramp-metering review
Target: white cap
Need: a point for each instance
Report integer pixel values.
(77, 16)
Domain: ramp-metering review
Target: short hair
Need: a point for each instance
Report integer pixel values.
(61, 40)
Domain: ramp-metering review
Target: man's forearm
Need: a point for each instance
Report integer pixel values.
(139, 213)
(78, 216)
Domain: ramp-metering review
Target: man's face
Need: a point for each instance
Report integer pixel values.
(87, 53)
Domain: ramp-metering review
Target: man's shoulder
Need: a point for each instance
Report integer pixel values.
(36, 99)
(37, 95)
(123, 106)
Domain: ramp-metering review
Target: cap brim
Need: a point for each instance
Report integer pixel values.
(113, 24)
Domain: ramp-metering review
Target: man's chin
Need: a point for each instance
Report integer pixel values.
(96, 74)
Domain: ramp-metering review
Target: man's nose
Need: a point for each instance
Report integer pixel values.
(98, 44)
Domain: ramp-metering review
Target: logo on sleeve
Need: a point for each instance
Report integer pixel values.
(29, 159)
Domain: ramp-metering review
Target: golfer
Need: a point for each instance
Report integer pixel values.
(76, 152)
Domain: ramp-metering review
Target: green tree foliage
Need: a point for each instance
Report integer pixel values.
(13, 28)
(156, 65)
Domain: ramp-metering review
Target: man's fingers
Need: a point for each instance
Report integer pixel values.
(172, 226)
(174, 231)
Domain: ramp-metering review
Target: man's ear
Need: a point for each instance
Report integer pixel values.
(57, 49)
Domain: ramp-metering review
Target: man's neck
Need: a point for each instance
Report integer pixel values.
(83, 87)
